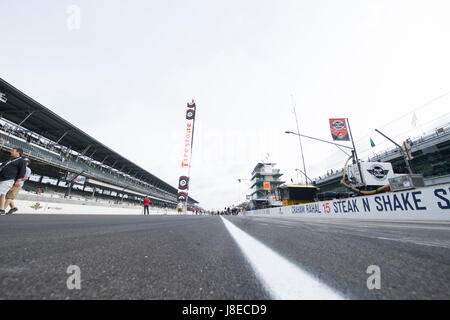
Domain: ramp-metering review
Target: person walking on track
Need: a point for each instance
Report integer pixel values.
(11, 174)
(146, 205)
(14, 191)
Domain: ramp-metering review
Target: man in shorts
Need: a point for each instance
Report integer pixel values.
(11, 174)
(180, 207)
(14, 191)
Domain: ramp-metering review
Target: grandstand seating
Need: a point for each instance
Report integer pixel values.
(57, 147)
(15, 138)
(55, 193)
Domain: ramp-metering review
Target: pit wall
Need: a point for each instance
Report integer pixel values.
(48, 207)
(429, 203)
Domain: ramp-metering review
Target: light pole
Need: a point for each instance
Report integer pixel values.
(299, 136)
(405, 157)
(336, 144)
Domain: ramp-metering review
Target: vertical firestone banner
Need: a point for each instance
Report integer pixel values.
(183, 184)
(339, 129)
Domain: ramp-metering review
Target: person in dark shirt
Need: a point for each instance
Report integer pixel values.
(14, 191)
(12, 173)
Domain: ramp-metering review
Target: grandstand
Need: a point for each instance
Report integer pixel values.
(68, 163)
(430, 157)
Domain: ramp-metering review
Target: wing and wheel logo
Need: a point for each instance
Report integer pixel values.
(338, 124)
(190, 114)
(184, 183)
(182, 196)
(36, 206)
(378, 172)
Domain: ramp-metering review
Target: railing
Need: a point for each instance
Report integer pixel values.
(264, 172)
(416, 142)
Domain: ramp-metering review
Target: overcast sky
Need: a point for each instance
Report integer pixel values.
(125, 75)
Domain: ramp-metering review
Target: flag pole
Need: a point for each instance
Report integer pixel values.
(299, 139)
(354, 151)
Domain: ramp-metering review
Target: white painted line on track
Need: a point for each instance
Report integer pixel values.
(282, 279)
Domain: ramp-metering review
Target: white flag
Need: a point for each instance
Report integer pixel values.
(414, 120)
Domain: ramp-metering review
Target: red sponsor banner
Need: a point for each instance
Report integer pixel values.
(339, 129)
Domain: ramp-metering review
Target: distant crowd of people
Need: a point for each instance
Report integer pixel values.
(228, 211)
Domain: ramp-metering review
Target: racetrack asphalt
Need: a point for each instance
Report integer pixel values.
(196, 257)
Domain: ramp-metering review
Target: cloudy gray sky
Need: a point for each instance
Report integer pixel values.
(126, 74)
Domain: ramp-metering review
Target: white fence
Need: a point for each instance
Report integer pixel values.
(48, 207)
(429, 203)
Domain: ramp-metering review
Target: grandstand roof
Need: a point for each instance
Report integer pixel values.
(43, 121)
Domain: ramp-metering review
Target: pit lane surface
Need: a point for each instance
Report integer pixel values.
(196, 257)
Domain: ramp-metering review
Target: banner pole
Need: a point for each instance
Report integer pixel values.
(183, 187)
(190, 159)
(354, 151)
